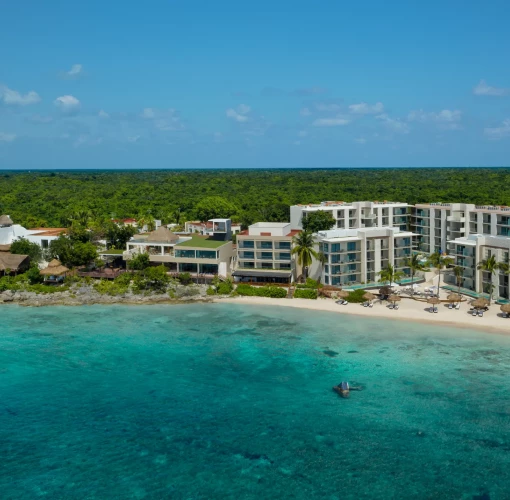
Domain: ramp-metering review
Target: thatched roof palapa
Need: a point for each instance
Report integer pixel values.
(343, 294)
(162, 235)
(481, 302)
(394, 298)
(5, 220)
(505, 308)
(454, 297)
(13, 262)
(55, 268)
(369, 296)
(5, 248)
(434, 301)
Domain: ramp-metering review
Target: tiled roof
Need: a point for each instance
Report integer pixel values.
(49, 231)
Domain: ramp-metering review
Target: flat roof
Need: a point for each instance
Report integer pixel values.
(197, 241)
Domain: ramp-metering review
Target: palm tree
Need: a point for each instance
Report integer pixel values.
(390, 274)
(459, 274)
(414, 264)
(439, 261)
(146, 220)
(303, 247)
(321, 257)
(491, 266)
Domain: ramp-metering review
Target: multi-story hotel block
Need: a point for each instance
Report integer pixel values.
(357, 255)
(356, 215)
(469, 233)
(264, 253)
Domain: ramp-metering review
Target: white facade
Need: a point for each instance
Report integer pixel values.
(264, 253)
(356, 215)
(42, 236)
(356, 256)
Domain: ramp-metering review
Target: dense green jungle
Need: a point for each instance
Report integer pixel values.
(50, 198)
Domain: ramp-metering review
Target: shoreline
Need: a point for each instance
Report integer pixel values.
(410, 310)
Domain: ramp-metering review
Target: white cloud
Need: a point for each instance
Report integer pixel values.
(328, 107)
(40, 119)
(75, 72)
(330, 122)
(103, 114)
(302, 133)
(497, 133)
(394, 124)
(7, 137)
(366, 109)
(13, 97)
(67, 103)
(445, 119)
(148, 113)
(483, 89)
(360, 140)
(305, 112)
(134, 138)
(88, 140)
(239, 114)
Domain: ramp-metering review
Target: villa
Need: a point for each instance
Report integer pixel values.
(206, 227)
(356, 215)
(43, 236)
(196, 254)
(357, 255)
(264, 254)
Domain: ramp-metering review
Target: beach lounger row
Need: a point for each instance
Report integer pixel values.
(433, 309)
(368, 304)
(342, 302)
(454, 306)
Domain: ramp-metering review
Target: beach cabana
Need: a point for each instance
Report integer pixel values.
(394, 299)
(55, 268)
(480, 303)
(454, 297)
(342, 295)
(385, 291)
(13, 263)
(505, 308)
(433, 301)
(369, 297)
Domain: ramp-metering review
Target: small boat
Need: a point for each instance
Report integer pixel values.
(342, 389)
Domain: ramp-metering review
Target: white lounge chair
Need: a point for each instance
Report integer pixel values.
(473, 312)
(457, 306)
(436, 309)
(480, 313)
(396, 306)
(371, 304)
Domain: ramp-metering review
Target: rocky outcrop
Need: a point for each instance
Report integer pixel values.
(87, 295)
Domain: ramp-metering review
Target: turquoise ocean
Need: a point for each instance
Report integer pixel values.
(221, 401)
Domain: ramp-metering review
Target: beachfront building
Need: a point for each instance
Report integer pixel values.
(357, 214)
(192, 253)
(469, 234)
(264, 254)
(206, 228)
(356, 256)
(43, 236)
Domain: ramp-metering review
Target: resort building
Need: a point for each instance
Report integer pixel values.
(355, 256)
(192, 253)
(206, 227)
(264, 253)
(469, 234)
(356, 215)
(43, 236)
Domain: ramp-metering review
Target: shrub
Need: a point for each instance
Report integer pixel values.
(261, 291)
(34, 276)
(140, 262)
(105, 287)
(151, 279)
(305, 293)
(224, 288)
(356, 297)
(211, 291)
(310, 283)
(124, 279)
(185, 278)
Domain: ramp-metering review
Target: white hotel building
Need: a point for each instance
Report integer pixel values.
(469, 234)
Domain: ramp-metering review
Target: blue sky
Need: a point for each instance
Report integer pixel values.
(195, 84)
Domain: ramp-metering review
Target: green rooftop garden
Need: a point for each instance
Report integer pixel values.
(111, 252)
(201, 242)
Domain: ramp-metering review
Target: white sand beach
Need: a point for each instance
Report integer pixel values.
(409, 310)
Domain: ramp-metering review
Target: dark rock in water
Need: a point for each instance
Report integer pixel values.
(330, 353)
(352, 352)
(482, 496)
(257, 456)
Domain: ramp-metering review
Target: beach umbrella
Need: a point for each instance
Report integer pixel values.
(385, 290)
(505, 308)
(454, 297)
(342, 294)
(434, 301)
(394, 298)
(369, 296)
(55, 268)
(480, 303)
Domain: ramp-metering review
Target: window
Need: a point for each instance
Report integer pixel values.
(352, 267)
(352, 256)
(352, 277)
(326, 280)
(285, 245)
(187, 267)
(266, 244)
(266, 255)
(247, 264)
(44, 243)
(335, 247)
(326, 247)
(335, 258)
(284, 265)
(209, 268)
(284, 256)
(266, 265)
(326, 269)
(248, 255)
(247, 244)
(206, 254)
(187, 254)
(351, 246)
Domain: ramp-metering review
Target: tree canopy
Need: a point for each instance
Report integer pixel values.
(24, 247)
(318, 221)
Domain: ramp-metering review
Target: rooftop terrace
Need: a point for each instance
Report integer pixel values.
(197, 241)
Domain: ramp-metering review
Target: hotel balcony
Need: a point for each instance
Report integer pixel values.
(456, 218)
